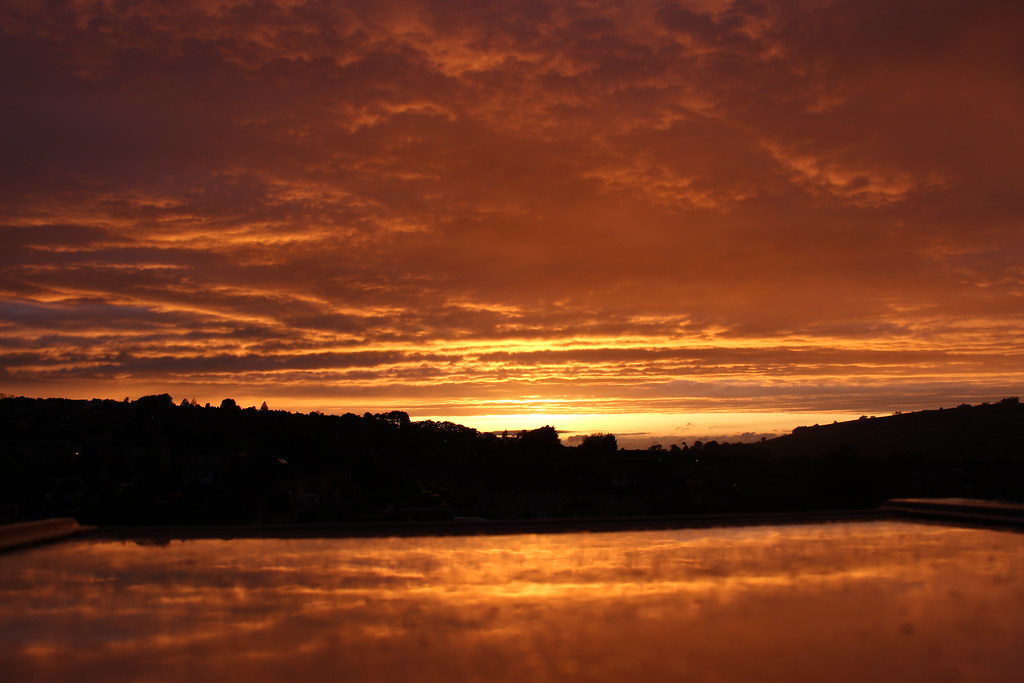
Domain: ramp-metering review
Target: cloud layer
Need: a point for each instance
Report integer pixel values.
(456, 206)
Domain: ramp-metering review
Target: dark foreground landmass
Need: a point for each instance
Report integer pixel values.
(151, 462)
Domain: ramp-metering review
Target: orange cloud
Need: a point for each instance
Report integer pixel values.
(655, 206)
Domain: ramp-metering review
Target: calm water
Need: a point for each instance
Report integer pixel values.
(844, 602)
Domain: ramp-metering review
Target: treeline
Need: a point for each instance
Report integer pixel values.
(150, 461)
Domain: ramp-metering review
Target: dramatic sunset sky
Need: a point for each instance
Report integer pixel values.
(674, 219)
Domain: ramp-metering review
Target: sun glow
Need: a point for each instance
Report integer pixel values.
(636, 429)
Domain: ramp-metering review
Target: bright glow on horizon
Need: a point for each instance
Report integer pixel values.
(664, 428)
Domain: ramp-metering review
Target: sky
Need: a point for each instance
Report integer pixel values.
(663, 219)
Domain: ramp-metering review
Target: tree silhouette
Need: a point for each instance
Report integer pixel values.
(599, 443)
(155, 402)
(542, 438)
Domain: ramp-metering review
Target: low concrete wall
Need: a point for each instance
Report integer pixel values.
(964, 510)
(26, 533)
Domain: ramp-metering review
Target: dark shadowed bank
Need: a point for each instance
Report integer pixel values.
(151, 462)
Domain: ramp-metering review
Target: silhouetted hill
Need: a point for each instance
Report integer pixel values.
(983, 431)
(150, 461)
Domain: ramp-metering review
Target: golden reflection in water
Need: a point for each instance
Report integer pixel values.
(843, 602)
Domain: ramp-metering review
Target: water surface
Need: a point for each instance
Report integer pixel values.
(823, 602)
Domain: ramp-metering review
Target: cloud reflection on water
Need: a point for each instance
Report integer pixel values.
(817, 602)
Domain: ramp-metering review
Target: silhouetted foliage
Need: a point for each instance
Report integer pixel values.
(541, 439)
(155, 402)
(152, 462)
(599, 443)
(397, 418)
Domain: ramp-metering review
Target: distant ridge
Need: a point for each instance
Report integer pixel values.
(964, 431)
